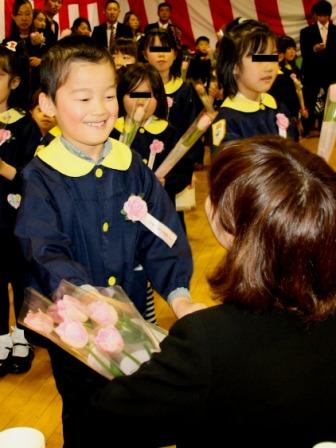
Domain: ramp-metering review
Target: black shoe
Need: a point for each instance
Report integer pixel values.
(5, 363)
(21, 364)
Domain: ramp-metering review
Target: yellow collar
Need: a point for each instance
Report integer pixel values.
(243, 104)
(173, 85)
(11, 116)
(55, 131)
(62, 160)
(155, 126)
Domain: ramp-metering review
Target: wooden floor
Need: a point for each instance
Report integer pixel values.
(31, 399)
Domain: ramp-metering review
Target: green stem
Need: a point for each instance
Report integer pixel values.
(136, 361)
(113, 368)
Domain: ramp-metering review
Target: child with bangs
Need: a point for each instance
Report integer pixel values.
(162, 50)
(19, 137)
(247, 66)
(71, 224)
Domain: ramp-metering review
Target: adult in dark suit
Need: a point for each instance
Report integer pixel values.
(259, 369)
(51, 9)
(107, 32)
(164, 22)
(318, 49)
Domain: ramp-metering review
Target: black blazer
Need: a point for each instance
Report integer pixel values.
(51, 36)
(100, 33)
(318, 66)
(154, 25)
(227, 377)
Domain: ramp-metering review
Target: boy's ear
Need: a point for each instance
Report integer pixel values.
(15, 82)
(46, 105)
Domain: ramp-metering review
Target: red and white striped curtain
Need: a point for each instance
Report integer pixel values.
(193, 17)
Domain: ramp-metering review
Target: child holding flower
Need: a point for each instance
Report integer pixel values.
(140, 88)
(19, 137)
(71, 223)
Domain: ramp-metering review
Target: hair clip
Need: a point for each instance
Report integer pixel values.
(11, 45)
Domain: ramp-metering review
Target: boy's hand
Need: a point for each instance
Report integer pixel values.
(183, 306)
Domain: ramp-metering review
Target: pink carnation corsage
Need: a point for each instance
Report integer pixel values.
(282, 123)
(5, 135)
(155, 148)
(135, 209)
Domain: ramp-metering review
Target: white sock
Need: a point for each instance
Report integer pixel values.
(18, 337)
(5, 345)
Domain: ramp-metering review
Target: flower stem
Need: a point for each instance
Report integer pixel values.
(135, 360)
(112, 368)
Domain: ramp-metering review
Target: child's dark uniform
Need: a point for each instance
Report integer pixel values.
(184, 106)
(17, 151)
(71, 226)
(157, 129)
(240, 118)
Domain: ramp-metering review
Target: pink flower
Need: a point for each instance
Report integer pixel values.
(39, 322)
(102, 313)
(73, 333)
(204, 122)
(135, 208)
(5, 135)
(156, 146)
(53, 313)
(282, 121)
(170, 101)
(109, 340)
(71, 308)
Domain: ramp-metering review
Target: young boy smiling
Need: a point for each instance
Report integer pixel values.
(70, 222)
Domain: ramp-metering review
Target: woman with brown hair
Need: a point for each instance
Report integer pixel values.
(258, 369)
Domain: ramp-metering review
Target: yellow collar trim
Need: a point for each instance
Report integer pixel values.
(243, 104)
(155, 126)
(11, 116)
(55, 131)
(173, 85)
(62, 160)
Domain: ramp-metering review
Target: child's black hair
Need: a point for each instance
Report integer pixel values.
(202, 38)
(167, 39)
(124, 45)
(56, 61)
(246, 38)
(131, 76)
(15, 63)
(285, 42)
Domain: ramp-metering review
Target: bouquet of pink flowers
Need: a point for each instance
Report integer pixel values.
(102, 328)
(188, 139)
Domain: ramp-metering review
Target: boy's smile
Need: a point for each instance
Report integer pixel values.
(86, 106)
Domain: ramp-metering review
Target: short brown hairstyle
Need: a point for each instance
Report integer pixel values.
(279, 202)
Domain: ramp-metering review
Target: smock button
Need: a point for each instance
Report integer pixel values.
(106, 227)
(99, 172)
(112, 281)
(141, 130)
(145, 161)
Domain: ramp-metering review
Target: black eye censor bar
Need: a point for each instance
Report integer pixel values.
(265, 58)
(160, 49)
(140, 95)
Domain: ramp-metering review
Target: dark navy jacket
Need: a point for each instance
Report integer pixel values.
(71, 226)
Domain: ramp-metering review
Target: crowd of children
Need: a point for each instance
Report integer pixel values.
(66, 202)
